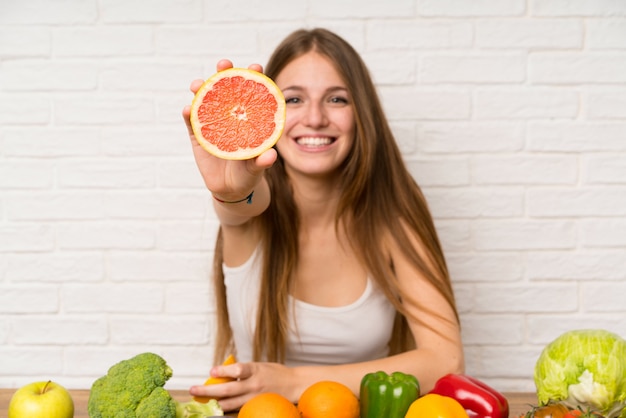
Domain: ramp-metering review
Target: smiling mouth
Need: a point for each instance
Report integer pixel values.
(314, 142)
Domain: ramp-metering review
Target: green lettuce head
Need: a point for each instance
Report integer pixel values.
(584, 368)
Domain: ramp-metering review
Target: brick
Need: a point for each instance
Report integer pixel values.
(578, 8)
(59, 268)
(526, 33)
(103, 41)
(158, 330)
(525, 103)
(22, 42)
(244, 11)
(440, 172)
(464, 295)
(358, 9)
(105, 110)
(603, 297)
(582, 202)
(26, 175)
(470, 137)
(606, 104)
(188, 361)
(488, 330)
(117, 298)
(489, 267)
(543, 329)
(169, 109)
(425, 104)
(24, 299)
(387, 68)
(606, 33)
(405, 135)
(577, 68)
(224, 40)
(55, 206)
(603, 232)
(4, 332)
(473, 68)
(188, 236)
(17, 237)
(146, 141)
(525, 170)
(394, 35)
(538, 298)
(453, 234)
(46, 75)
(30, 361)
(605, 169)
(136, 11)
(576, 265)
(66, 329)
(503, 235)
(21, 109)
(105, 235)
(190, 298)
(58, 142)
(179, 174)
(106, 174)
(35, 12)
(513, 362)
(157, 205)
(154, 267)
(576, 136)
(460, 8)
(148, 75)
(477, 202)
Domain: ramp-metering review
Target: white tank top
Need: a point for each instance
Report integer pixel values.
(319, 335)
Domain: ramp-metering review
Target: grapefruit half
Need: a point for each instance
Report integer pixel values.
(238, 114)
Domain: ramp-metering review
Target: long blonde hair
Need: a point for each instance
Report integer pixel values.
(379, 199)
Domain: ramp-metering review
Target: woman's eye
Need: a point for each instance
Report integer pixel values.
(339, 100)
(294, 100)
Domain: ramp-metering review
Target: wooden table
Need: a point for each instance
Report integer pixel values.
(519, 403)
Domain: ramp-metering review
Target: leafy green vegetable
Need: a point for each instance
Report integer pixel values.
(584, 368)
(133, 388)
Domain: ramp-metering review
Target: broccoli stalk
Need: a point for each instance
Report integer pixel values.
(133, 388)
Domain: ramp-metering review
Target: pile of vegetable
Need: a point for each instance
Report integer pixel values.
(133, 388)
(454, 396)
(584, 370)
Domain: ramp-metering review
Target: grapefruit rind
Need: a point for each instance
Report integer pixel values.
(240, 153)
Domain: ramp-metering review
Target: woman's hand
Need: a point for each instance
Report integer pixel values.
(226, 179)
(250, 380)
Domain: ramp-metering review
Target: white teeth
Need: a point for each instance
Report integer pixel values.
(314, 141)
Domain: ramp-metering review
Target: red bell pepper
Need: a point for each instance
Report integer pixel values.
(478, 399)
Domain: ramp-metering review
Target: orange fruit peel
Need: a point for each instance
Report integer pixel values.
(268, 405)
(328, 398)
(215, 380)
(237, 114)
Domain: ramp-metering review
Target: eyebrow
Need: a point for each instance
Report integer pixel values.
(328, 90)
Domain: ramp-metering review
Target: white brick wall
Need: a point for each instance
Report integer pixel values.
(511, 115)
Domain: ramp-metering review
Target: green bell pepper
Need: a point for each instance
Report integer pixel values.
(387, 395)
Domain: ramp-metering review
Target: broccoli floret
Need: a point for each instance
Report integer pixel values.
(133, 388)
(159, 404)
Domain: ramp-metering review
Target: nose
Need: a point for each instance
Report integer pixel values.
(316, 115)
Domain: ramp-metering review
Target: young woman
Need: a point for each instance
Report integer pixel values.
(334, 268)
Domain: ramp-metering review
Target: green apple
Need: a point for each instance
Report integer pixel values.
(41, 399)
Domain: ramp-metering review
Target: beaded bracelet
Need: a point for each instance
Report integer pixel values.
(247, 199)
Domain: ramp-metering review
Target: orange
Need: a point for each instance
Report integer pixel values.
(268, 405)
(328, 399)
(238, 114)
(213, 380)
